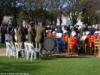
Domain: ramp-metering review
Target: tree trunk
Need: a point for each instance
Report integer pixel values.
(1, 18)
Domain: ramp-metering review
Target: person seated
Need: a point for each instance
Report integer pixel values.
(73, 39)
(58, 37)
(94, 37)
(59, 30)
(64, 36)
(60, 43)
(84, 36)
(83, 42)
(62, 46)
(87, 38)
(89, 43)
(48, 33)
(53, 35)
(73, 42)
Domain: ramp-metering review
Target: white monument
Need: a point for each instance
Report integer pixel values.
(58, 22)
(7, 20)
(79, 22)
(65, 21)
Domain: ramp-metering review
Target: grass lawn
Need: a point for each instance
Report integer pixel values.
(52, 66)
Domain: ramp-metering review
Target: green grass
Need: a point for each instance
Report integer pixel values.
(2, 45)
(52, 66)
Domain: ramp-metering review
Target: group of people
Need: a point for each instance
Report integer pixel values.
(22, 34)
(61, 34)
(75, 38)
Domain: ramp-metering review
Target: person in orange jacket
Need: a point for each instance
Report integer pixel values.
(73, 39)
(64, 36)
(94, 36)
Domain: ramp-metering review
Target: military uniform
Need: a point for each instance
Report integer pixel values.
(39, 36)
(20, 37)
(31, 35)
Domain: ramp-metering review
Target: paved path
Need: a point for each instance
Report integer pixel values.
(2, 51)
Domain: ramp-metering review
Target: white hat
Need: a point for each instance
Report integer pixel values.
(59, 35)
(53, 32)
(97, 32)
(73, 33)
(83, 33)
(64, 31)
(87, 32)
(46, 31)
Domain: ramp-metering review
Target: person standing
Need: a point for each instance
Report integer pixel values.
(2, 30)
(74, 42)
(7, 35)
(20, 36)
(31, 34)
(39, 36)
(12, 33)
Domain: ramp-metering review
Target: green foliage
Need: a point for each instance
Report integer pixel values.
(94, 20)
(42, 10)
(2, 45)
(23, 15)
(88, 12)
(73, 10)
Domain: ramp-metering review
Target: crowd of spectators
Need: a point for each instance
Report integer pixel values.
(59, 33)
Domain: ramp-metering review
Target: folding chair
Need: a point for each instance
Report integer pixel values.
(10, 49)
(69, 47)
(31, 51)
(18, 49)
(26, 49)
(96, 46)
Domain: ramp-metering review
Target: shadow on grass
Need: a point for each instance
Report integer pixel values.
(72, 57)
(54, 57)
(48, 58)
(22, 65)
(19, 65)
(23, 68)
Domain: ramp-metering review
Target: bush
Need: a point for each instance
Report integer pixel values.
(2, 45)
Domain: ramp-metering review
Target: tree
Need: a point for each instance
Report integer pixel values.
(4, 7)
(88, 12)
(39, 10)
(8, 8)
(23, 15)
(73, 9)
